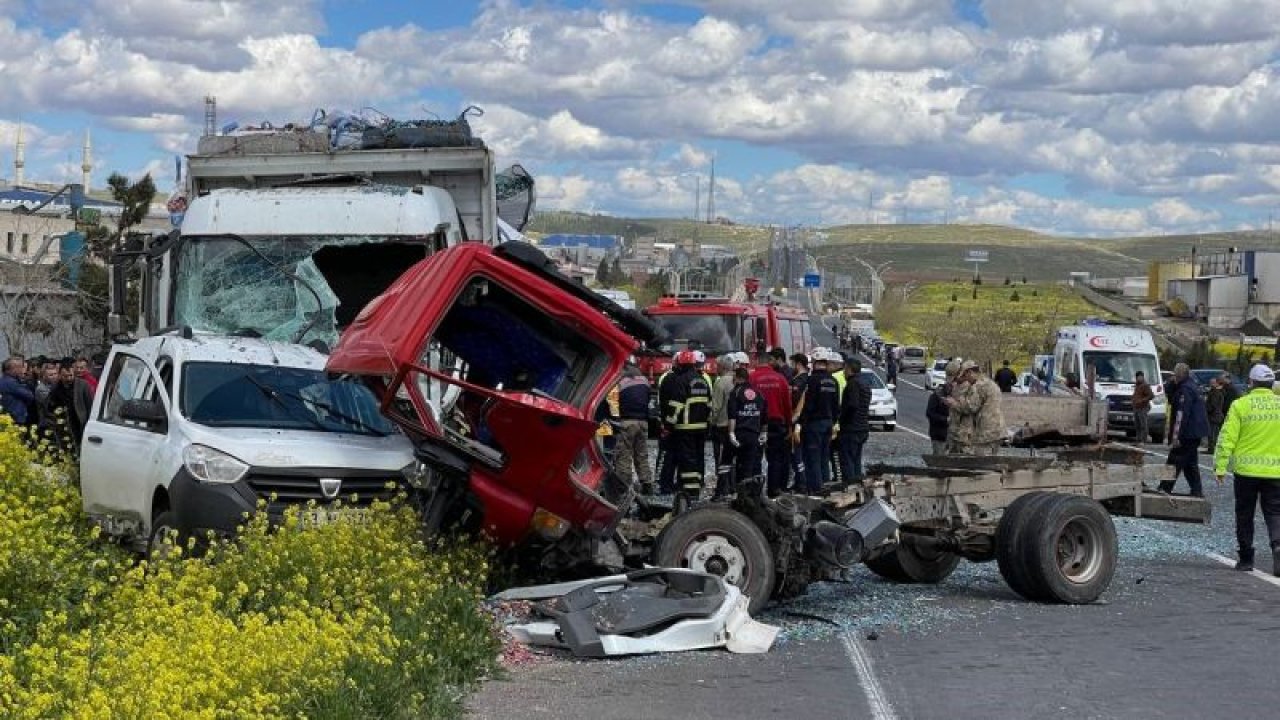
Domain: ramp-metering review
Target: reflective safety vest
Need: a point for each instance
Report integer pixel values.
(1250, 438)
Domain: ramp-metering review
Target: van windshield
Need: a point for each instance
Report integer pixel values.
(261, 396)
(1119, 367)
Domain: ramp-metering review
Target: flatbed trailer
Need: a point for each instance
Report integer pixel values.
(1045, 520)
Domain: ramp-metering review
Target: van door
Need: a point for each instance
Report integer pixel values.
(120, 458)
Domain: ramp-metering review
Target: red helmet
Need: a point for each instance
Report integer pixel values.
(686, 357)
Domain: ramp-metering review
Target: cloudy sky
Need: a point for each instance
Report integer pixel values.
(1093, 117)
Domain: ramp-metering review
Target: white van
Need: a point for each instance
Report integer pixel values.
(1113, 354)
(188, 432)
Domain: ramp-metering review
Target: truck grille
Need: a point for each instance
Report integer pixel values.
(1120, 403)
(278, 489)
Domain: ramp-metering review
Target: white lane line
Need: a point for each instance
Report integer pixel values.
(913, 432)
(1255, 572)
(881, 708)
(1206, 468)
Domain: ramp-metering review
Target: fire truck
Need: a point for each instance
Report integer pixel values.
(719, 325)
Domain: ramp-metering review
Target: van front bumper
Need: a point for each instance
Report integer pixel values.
(220, 508)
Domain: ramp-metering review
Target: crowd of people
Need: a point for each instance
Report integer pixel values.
(798, 423)
(795, 423)
(49, 398)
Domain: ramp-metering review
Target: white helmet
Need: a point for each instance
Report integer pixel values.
(699, 357)
(740, 358)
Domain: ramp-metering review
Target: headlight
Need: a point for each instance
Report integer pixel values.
(212, 466)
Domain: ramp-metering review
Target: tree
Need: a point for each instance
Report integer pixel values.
(615, 273)
(135, 204)
(602, 273)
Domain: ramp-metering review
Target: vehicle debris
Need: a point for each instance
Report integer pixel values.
(642, 612)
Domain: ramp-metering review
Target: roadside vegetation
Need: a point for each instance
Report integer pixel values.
(988, 323)
(359, 618)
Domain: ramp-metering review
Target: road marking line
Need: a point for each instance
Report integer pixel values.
(1206, 468)
(881, 708)
(914, 432)
(914, 385)
(1255, 572)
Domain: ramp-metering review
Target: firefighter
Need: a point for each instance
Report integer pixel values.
(685, 415)
(666, 458)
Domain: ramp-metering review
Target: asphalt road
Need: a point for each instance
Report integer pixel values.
(1178, 635)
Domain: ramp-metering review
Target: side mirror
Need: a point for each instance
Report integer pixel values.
(893, 387)
(147, 412)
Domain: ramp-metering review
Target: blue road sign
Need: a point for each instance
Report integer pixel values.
(812, 280)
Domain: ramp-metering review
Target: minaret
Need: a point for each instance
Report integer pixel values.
(19, 161)
(86, 167)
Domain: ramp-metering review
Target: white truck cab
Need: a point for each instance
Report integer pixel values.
(1111, 356)
(189, 432)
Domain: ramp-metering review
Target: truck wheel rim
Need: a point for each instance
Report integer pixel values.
(717, 554)
(1080, 550)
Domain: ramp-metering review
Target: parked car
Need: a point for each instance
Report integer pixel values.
(884, 406)
(936, 376)
(1023, 385)
(914, 358)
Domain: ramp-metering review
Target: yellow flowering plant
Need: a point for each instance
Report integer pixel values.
(357, 618)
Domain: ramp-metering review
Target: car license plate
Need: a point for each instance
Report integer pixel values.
(318, 517)
(1123, 417)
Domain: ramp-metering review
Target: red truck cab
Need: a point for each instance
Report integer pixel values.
(495, 365)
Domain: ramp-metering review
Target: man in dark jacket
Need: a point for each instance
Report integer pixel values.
(1215, 407)
(1006, 378)
(939, 415)
(632, 455)
(1190, 426)
(747, 410)
(855, 406)
(821, 407)
(799, 381)
(16, 398)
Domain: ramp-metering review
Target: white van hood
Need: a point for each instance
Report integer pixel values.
(268, 448)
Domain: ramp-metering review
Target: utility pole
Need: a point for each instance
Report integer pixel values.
(697, 197)
(711, 193)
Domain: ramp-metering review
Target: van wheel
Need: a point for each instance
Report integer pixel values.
(165, 538)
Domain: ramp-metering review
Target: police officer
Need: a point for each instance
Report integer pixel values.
(747, 412)
(818, 414)
(799, 381)
(686, 415)
(1250, 443)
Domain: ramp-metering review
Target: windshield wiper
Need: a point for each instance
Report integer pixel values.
(278, 396)
(275, 396)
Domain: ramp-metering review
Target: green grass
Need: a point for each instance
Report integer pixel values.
(992, 328)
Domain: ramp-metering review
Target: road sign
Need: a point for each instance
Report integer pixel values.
(976, 256)
(812, 280)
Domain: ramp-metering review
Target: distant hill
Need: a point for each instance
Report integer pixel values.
(934, 251)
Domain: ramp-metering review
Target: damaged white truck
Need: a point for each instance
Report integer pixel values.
(215, 398)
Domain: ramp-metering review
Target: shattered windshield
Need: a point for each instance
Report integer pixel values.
(239, 395)
(224, 287)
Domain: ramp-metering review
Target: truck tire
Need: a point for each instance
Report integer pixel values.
(910, 563)
(1010, 542)
(1070, 550)
(722, 542)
